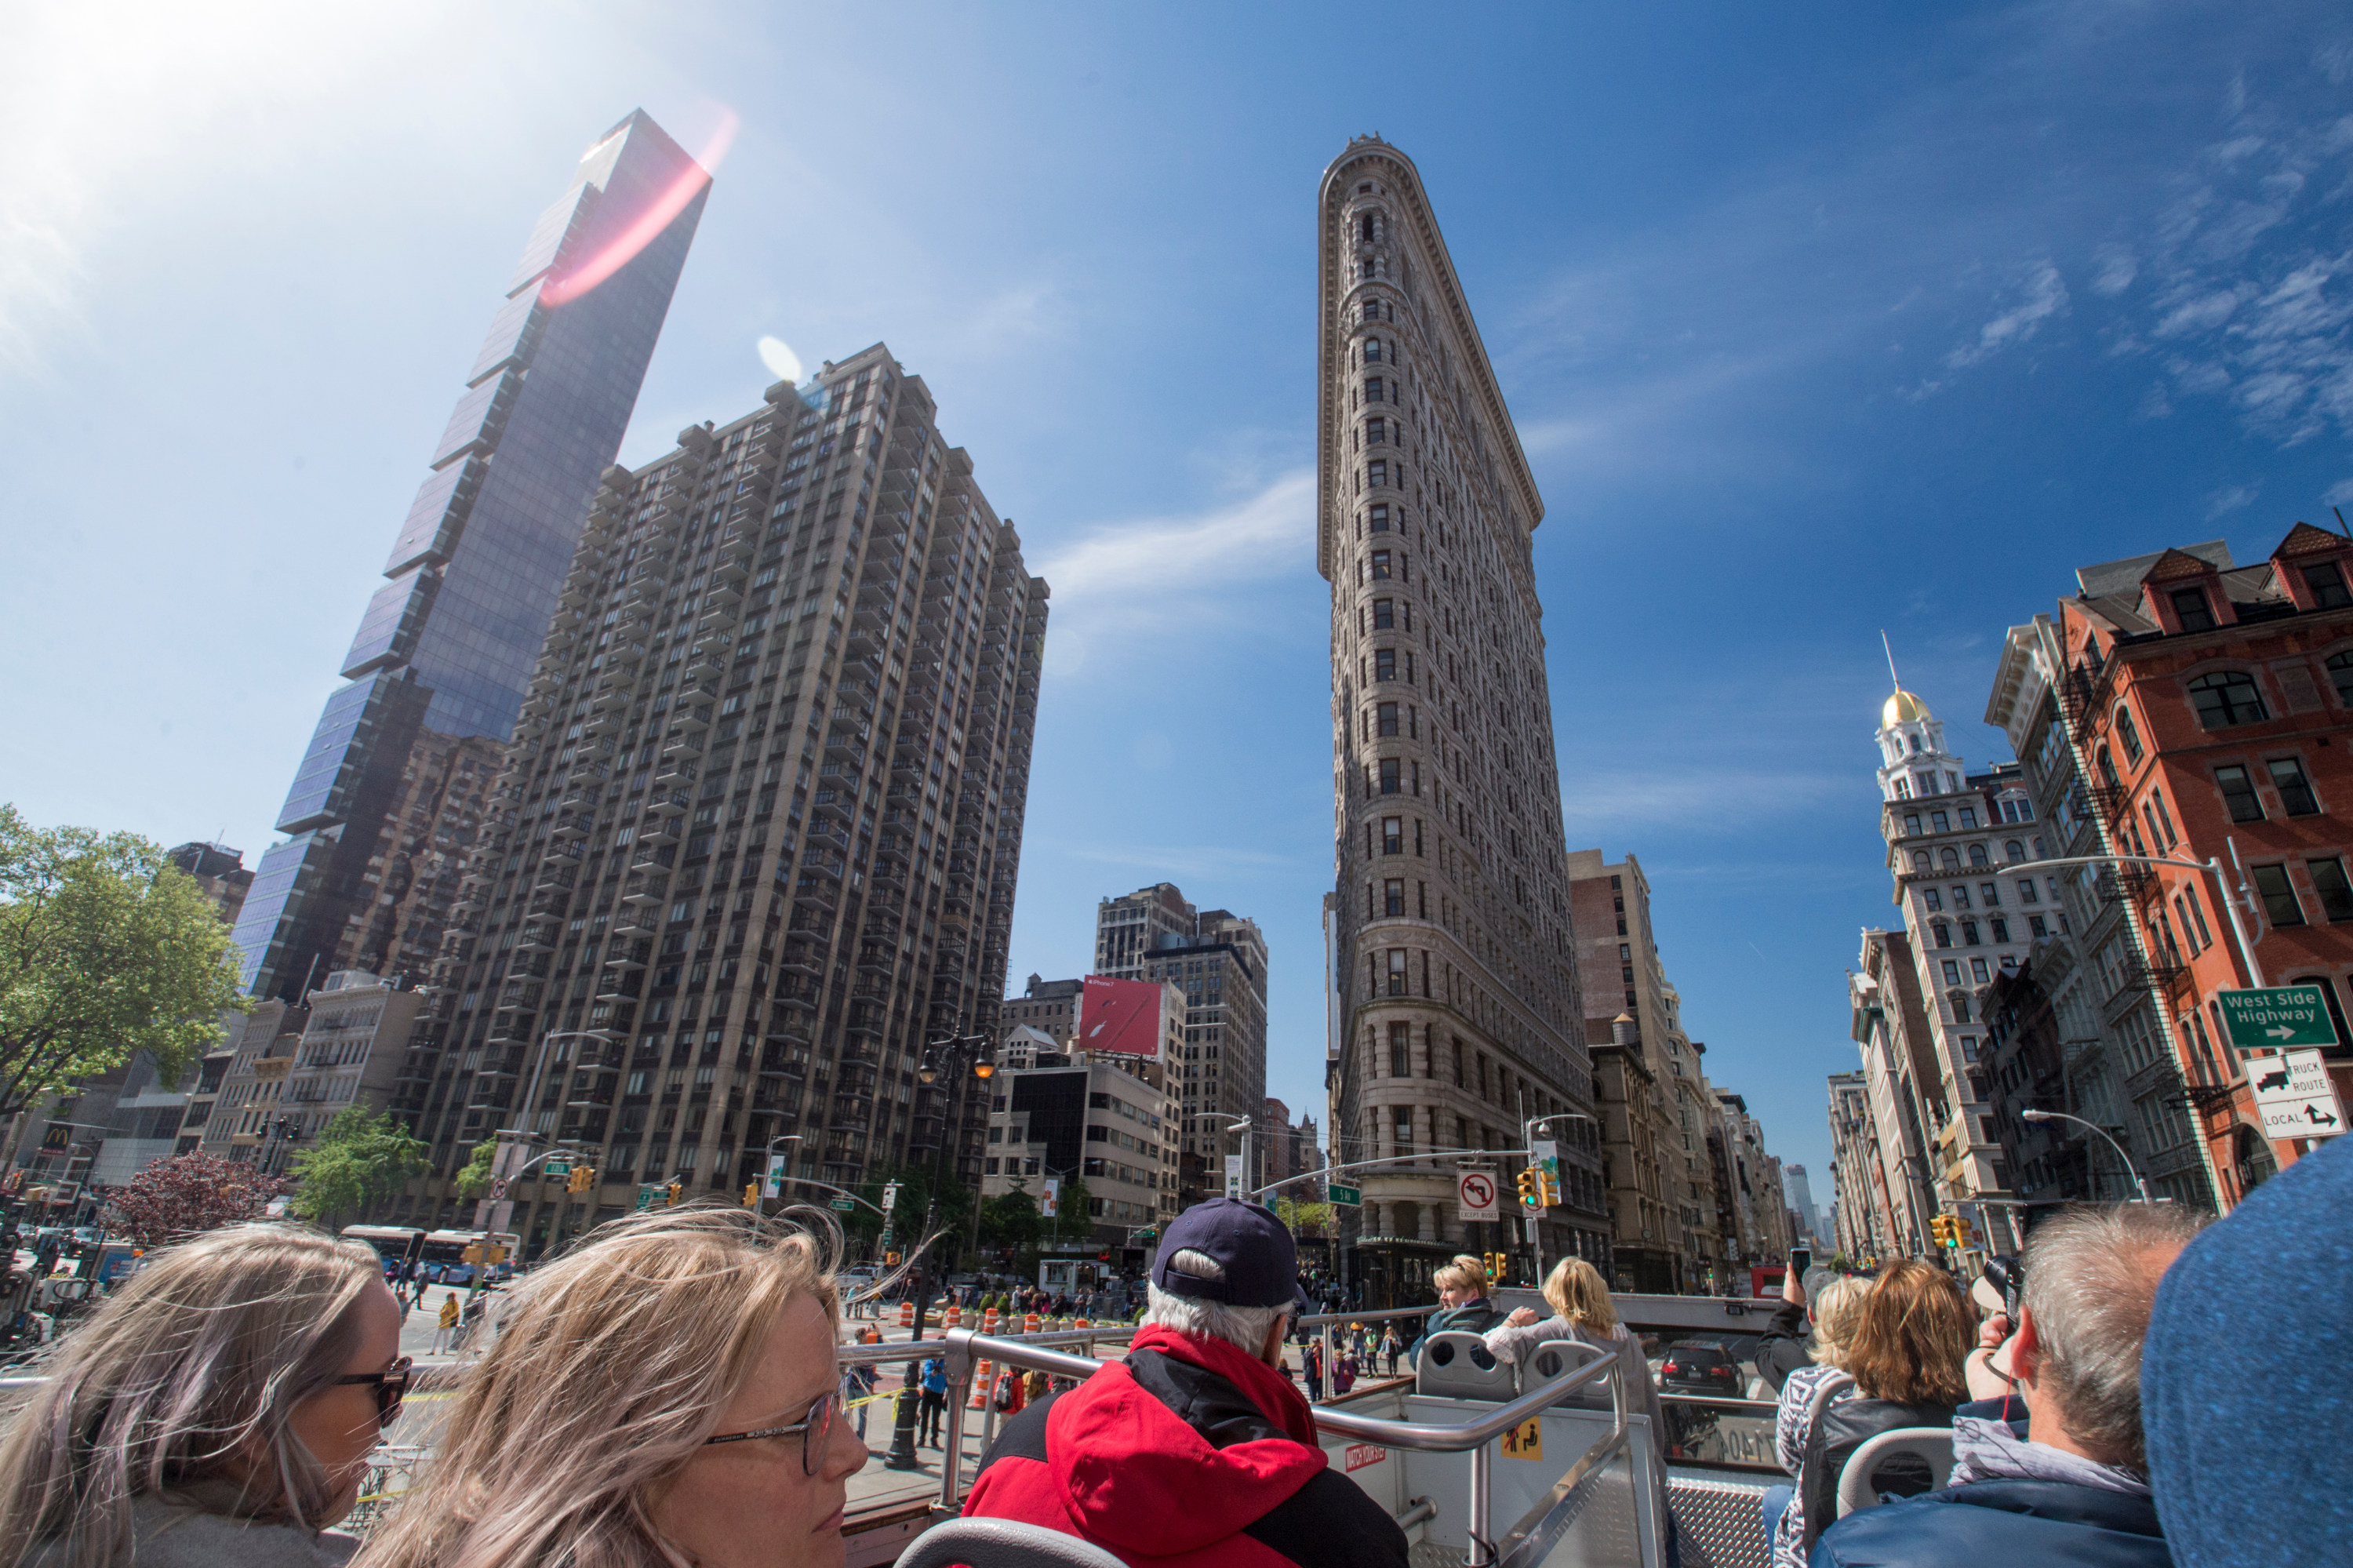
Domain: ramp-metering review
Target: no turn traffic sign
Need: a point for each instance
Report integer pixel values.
(1474, 1195)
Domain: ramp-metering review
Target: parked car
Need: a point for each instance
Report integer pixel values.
(1699, 1369)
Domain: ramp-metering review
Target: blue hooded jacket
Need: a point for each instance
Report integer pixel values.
(2246, 1398)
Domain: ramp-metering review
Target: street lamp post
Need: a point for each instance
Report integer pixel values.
(1528, 1140)
(769, 1152)
(2032, 1113)
(939, 1054)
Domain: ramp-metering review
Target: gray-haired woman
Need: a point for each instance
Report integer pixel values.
(218, 1409)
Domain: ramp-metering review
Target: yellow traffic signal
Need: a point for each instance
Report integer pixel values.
(751, 1194)
(1496, 1262)
(582, 1178)
(1531, 1184)
(1548, 1189)
(676, 1191)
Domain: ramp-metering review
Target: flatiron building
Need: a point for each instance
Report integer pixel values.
(1455, 1015)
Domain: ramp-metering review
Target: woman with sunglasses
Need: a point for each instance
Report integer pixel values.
(220, 1409)
(666, 1393)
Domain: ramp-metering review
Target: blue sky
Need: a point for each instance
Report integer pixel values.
(1815, 320)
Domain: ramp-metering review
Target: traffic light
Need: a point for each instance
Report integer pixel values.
(1945, 1229)
(1531, 1183)
(751, 1194)
(676, 1191)
(582, 1178)
(1548, 1189)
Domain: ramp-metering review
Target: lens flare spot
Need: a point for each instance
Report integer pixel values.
(781, 361)
(657, 216)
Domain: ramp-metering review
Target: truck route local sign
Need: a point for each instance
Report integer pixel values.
(2277, 1018)
(2295, 1096)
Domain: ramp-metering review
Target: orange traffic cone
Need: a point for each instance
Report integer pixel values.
(1030, 1324)
(906, 1314)
(980, 1379)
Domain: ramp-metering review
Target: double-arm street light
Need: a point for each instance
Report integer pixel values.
(941, 1055)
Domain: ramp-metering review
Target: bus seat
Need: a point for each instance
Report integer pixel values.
(1002, 1544)
(1558, 1358)
(1933, 1445)
(1458, 1365)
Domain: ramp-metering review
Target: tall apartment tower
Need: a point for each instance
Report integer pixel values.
(1219, 959)
(756, 840)
(389, 793)
(1454, 992)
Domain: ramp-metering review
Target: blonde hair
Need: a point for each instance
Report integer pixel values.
(191, 1371)
(611, 1367)
(1575, 1290)
(1837, 1308)
(1911, 1337)
(1463, 1273)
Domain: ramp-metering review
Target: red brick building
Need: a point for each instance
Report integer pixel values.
(2214, 706)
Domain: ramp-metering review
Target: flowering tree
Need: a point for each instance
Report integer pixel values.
(190, 1193)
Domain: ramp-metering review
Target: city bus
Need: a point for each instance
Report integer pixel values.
(394, 1244)
(440, 1254)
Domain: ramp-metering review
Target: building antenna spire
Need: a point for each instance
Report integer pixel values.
(1892, 679)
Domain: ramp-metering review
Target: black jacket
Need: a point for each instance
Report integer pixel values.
(1844, 1426)
(1786, 1345)
(2001, 1524)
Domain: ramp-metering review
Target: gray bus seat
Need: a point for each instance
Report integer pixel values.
(1458, 1365)
(1932, 1444)
(1558, 1358)
(1002, 1544)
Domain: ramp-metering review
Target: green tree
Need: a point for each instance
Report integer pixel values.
(909, 1209)
(1011, 1221)
(359, 1160)
(106, 949)
(1304, 1219)
(473, 1178)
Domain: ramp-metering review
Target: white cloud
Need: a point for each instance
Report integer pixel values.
(2044, 296)
(2232, 498)
(1139, 565)
(2118, 268)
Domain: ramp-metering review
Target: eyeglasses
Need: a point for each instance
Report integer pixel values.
(815, 1428)
(391, 1386)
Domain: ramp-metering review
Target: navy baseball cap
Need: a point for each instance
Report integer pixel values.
(1254, 1249)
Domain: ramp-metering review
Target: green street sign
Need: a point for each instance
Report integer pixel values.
(2280, 1017)
(1346, 1197)
(845, 1204)
(556, 1167)
(645, 1196)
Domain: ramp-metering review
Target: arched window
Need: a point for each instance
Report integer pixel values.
(2014, 850)
(2340, 675)
(1914, 743)
(2038, 848)
(1903, 789)
(1951, 860)
(2107, 767)
(1977, 855)
(2227, 697)
(1920, 860)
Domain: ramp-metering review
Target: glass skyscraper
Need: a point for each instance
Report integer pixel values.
(389, 791)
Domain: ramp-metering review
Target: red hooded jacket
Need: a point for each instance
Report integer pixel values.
(1189, 1453)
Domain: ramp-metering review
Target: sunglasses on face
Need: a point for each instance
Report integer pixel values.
(391, 1385)
(814, 1428)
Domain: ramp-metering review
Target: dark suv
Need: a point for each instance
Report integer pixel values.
(1699, 1369)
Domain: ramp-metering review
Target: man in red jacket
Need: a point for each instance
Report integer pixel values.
(1196, 1450)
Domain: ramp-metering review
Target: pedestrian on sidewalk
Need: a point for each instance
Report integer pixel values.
(858, 1387)
(448, 1325)
(934, 1407)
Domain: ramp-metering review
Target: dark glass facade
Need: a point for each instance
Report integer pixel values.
(448, 645)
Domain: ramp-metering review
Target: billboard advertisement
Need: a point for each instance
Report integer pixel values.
(1120, 1015)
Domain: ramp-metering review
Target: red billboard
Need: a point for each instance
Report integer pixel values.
(1120, 1015)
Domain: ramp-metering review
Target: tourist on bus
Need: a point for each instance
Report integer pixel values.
(219, 1409)
(1911, 1336)
(667, 1392)
(1582, 1311)
(2050, 1465)
(1461, 1302)
(1804, 1391)
(1195, 1451)
(2247, 1346)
